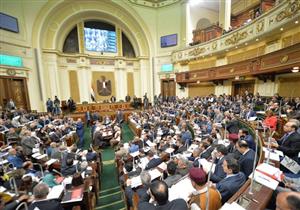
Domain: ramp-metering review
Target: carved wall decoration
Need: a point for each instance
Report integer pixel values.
(214, 45)
(236, 37)
(292, 9)
(260, 26)
(11, 72)
(284, 59)
(196, 51)
(71, 60)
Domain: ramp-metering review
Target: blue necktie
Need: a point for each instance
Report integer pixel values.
(284, 138)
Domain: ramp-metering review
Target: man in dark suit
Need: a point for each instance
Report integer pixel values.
(159, 192)
(249, 113)
(219, 173)
(119, 117)
(141, 190)
(153, 162)
(247, 157)
(233, 180)
(244, 135)
(289, 144)
(40, 193)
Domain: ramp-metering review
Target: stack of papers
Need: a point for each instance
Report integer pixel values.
(150, 144)
(135, 154)
(274, 154)
(267, 175)
(162, 166)
(182, 189)
(169, 150)
(231, 206)
(55, 192)
(206, 165)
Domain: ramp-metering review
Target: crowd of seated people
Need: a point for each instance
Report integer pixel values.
(39, 152)
(188, 135)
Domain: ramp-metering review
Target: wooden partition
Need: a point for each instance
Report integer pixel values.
(103, 107)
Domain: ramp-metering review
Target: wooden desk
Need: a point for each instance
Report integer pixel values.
(103, 107)
(258, 200)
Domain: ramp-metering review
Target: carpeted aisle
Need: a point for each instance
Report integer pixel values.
(111, 197)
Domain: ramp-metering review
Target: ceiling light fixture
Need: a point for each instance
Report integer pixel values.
(236, 77)
(296, 22)
(281, 29)
(295, 69)
(257, 39)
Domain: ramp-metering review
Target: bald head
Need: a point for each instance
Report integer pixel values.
(159, 191)
(288, 201)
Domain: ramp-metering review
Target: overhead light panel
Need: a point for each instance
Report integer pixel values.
(295, 69)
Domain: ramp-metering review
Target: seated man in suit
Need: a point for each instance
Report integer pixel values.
(244, 135)
(14, 159)
(40, 193)
(159, 193)
(289, 144)
(141, 190)
(172, 176)
(183, 165)
(199, 198)
(153, 162)
(233, 180)
(247, 157)
(219, 173)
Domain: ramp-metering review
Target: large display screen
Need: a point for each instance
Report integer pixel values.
(9, 23)
(100, 40)
(168, 41)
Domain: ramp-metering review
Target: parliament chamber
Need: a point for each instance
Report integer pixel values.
(149, 104)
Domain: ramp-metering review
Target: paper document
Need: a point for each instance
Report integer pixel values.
(206, 165)
(169, 150)
(232, 206)
(182, 189)
(135, 154)
(55, 192)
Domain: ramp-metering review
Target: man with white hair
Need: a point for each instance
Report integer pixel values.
(40, 202)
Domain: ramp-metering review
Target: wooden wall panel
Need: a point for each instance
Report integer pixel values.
(201, 90)
(289, 87)
(74, 86)
(202, 65)
(246, 55)
(130, 84)
(109, 76)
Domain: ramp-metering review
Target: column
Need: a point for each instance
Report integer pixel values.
(146, 79)
(84, 80)
(186, 28)
(51, 75)
(225, 14)
(64, 83)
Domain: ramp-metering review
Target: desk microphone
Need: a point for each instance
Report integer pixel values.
(269, 146)
(208, 178)
(254, 162)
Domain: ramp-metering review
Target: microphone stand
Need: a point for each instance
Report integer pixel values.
(208, 178)
(254, 162)
(269, 147)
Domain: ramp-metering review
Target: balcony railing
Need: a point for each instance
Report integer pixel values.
(274, 19)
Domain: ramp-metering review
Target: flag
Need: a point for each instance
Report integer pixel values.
(93, 94)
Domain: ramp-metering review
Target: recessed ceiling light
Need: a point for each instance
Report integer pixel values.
(246, 43)
(296, 22)
(236, 47)
(281, 29)
(257, 39)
